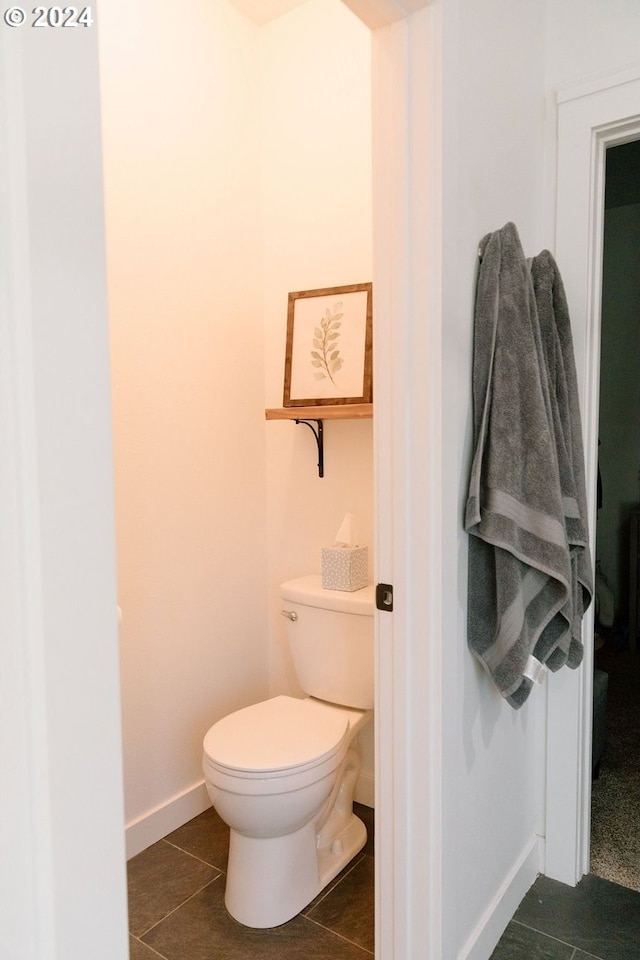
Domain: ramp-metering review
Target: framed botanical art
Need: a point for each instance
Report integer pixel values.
(329, 346)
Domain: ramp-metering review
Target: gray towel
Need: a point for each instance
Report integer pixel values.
(557, 343)
(520, 571)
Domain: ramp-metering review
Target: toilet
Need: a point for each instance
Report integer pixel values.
(282, 773)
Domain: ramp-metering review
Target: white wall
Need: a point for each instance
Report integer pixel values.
(179, 97)
(587, 39)
(237, 168)
(502, 64)
(493, 143)
(316, 182)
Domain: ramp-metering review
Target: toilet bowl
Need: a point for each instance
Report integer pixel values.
(282, 773)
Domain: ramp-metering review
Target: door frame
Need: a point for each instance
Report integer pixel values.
(61, 828)
(407, 258)
(407, 430)
(592, 116)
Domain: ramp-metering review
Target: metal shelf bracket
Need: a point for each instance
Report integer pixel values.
(318, 432)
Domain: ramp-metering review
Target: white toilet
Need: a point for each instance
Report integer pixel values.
(282, 773)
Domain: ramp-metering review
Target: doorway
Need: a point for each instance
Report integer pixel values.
(592, 118)
(88, 725)
(400, 868)
(615, 799)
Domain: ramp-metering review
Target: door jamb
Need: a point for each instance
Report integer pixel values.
(591, 118)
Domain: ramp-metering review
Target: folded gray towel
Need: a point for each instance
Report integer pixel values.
(520, 571)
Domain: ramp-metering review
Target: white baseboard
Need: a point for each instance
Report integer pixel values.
(494, 920)
(157, 823)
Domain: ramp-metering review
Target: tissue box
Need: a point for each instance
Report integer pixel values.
(344, 568)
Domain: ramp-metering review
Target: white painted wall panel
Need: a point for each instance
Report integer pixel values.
(493, 140)
(316, 191)
(183, 249)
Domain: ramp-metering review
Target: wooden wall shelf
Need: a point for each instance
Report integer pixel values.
(338, 411)
(310, 415)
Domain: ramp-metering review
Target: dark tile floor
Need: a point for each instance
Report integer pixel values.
(177, 912)
(597, 920)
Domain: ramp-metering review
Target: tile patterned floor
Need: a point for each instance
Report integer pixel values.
(597, 920)
(176, 911)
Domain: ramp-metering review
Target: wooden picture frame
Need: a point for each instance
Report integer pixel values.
(329, 346)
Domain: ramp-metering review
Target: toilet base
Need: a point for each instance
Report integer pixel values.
(270, 880)
(349, 841)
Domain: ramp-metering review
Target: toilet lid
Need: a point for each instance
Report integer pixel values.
(276, 735)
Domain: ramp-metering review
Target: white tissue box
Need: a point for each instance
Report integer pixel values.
(344, 568)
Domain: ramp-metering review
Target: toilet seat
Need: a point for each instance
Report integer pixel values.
(277, 738)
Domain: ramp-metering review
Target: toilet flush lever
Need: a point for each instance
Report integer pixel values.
(289, 614)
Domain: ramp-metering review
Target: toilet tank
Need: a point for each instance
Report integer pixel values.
(330, 635)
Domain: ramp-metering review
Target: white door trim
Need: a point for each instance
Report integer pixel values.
(27, 927)
(408, 498)
(407, 432)
(60, 746)
(591, 117)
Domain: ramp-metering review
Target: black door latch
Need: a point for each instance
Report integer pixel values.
(384, 597)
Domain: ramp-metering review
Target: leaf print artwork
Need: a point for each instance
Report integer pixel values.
(325, 355)
(328, 347)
